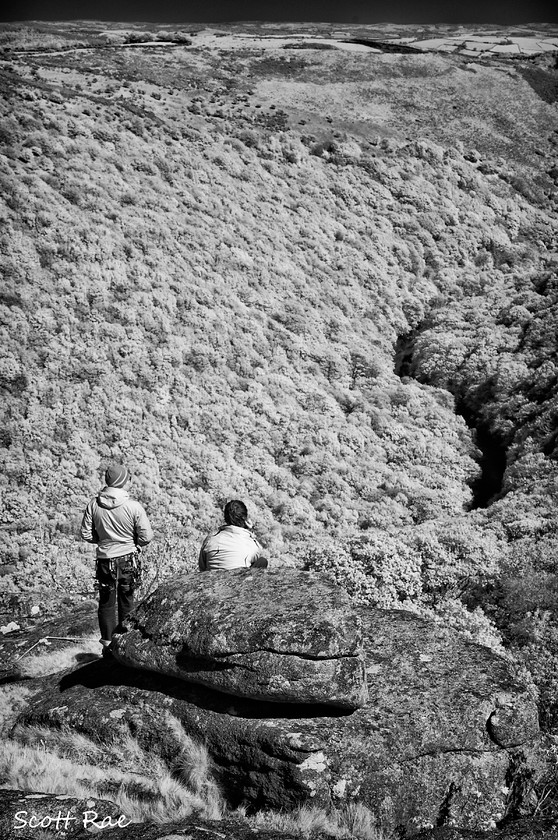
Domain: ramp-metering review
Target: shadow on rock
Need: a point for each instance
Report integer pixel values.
(111, 673)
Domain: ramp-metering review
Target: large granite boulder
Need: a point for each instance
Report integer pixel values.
(280, 635)
(445, 739)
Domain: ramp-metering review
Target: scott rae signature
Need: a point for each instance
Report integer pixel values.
(88, 819)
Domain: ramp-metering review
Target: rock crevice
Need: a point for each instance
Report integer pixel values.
(278, 652)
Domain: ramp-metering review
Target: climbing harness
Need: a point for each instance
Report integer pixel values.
(133, 570)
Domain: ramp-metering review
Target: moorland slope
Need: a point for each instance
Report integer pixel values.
(317, 279)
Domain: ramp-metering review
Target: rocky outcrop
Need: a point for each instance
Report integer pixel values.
(280, 635)
(447, 729)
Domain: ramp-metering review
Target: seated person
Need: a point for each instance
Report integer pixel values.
(233, 546)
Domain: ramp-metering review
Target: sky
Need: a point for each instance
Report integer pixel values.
(334, 11)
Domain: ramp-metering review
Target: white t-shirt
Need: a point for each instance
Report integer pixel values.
(230, 548)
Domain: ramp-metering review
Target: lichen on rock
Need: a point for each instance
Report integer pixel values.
(278, 635)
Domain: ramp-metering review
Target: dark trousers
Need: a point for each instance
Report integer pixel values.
(116, 593)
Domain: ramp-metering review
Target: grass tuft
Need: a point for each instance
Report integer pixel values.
(194, 767)
(350, 822)
(65, 762)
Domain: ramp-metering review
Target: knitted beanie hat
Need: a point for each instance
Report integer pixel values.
(116, 476)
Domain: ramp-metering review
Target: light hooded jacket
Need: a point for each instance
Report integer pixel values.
(115, 523)
(231, 547)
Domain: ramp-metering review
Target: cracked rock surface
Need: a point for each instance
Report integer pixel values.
(446, 731)
(279, 635)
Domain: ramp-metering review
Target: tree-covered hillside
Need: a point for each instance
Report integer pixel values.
(317, 280)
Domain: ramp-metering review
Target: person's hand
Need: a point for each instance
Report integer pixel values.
(259, 563)
(249, 524)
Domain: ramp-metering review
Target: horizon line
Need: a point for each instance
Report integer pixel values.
(281, 22)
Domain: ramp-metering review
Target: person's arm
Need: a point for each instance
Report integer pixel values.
(202, 562)
(143, 532)
(202, 559)
(258, 561)
(88, 531)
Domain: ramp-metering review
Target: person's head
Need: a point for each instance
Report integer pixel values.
(116, 476)
(236, 513)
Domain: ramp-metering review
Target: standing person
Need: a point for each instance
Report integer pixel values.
(119, 527)
(233, 546)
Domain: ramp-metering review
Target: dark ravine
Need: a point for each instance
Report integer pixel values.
(404, 352)
(493, 458)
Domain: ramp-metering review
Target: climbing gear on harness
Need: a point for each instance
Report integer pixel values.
(125, 571)
(137, 568)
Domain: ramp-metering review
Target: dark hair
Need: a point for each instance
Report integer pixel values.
(236, 513)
